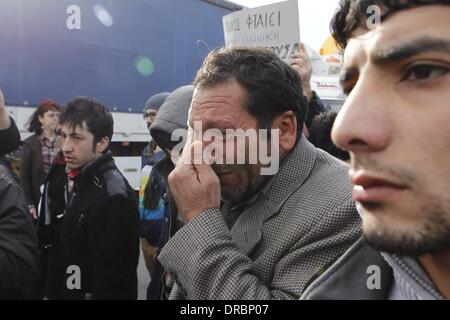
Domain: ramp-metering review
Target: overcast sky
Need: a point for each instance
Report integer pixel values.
(315, 17)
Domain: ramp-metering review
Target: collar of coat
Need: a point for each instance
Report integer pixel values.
(94, 169)
(293, 172)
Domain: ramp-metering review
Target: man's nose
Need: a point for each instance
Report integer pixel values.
(66, 146)
(362, 125)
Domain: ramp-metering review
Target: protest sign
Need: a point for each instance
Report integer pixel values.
(275, 26)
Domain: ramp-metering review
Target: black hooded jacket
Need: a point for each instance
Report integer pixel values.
(172, 115)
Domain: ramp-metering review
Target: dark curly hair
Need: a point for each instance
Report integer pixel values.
(353, 14)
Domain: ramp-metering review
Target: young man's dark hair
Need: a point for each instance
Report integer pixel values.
(99, 120)
(270, 91)
(320, 135)
(353, 14)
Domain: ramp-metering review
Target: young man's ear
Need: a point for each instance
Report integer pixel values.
(102, 145)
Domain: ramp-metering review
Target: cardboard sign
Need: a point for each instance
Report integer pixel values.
(275, 26)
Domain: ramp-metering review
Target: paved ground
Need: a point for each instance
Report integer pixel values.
(143, 278)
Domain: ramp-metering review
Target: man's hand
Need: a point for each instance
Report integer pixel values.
(302, 63)
(4, 118)
(194, 186)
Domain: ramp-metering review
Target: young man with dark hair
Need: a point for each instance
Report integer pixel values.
(99, 233)
(395, 124)
(251, 234)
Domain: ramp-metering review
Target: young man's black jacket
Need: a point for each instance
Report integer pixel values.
(53, 206)
(99, 235)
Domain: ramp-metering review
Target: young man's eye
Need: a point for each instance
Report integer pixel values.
(424, 72)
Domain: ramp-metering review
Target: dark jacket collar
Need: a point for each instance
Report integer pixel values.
(293, 172)
(96, 167)
(360, 273)
(361, 266)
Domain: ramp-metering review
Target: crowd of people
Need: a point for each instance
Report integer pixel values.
(357, 208)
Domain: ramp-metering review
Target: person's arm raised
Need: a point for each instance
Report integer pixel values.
(5, 122)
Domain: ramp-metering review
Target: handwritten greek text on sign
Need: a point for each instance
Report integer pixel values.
(275, 26)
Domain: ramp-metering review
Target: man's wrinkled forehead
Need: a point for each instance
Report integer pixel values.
(218, 94)
(213, 102)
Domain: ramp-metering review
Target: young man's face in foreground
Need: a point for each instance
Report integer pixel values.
(78, 147)
(396, 124)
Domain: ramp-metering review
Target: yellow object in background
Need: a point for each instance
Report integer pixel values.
(329, 47)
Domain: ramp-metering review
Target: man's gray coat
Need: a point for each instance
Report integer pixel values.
(277, 246)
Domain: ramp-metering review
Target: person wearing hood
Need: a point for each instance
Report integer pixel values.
(150, 111)
(19, 264)
(171, 118)
(151, 205)
(395, 125)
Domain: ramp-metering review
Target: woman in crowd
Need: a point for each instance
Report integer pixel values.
(39, 151)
